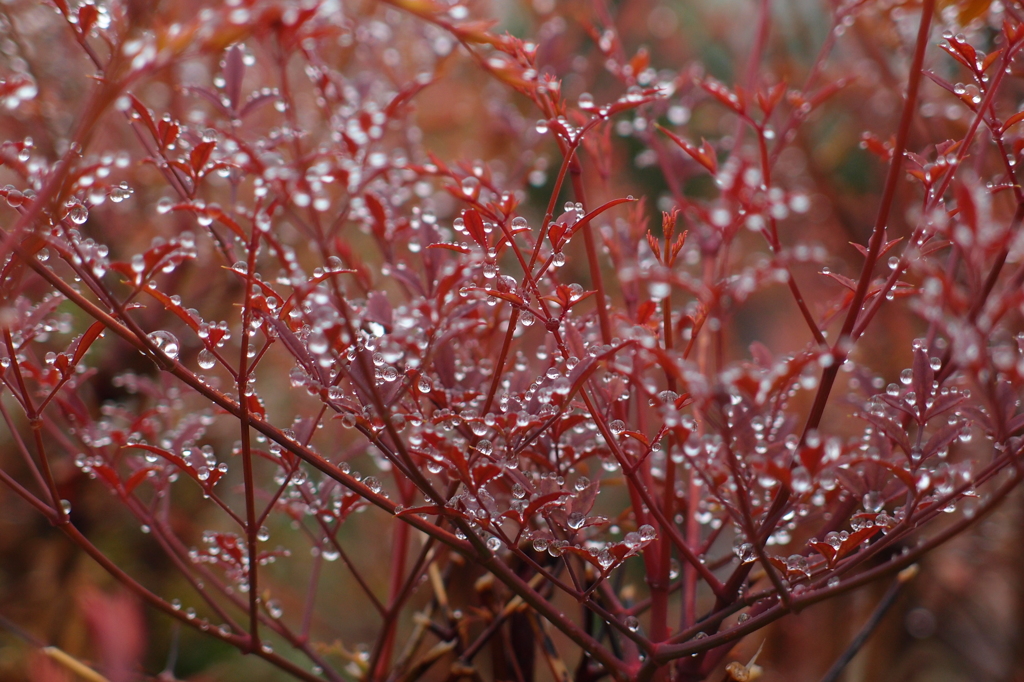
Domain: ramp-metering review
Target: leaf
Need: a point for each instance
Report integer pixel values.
(842, 279)
(891, 429)
(255, 406)
(379, 310)
(484, 473)
(167, 132)
(826, 550)
(899, 472)
(175, 308)
(733, 100)
(199, 155)
(295, 347)
(176, 460)
(475, 226)
(380, 216)
(811, 457)
(705, 156)
(942, 438)
(514, 299)
(584, 500)
(541, 502)
(91, 334)
(856, 538)
(458, 248)
(87, 15)
(210, 96)
(768, 100)
(884, 250)
(135, 479)
(636, 435)
(966, 209)
(257, 100)
(142, 112)
(430, 509)
(833, 554)
(234, 71)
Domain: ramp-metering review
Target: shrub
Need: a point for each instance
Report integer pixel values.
(554, 342)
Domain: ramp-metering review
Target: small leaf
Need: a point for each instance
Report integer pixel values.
(234, 71)
(91, 334)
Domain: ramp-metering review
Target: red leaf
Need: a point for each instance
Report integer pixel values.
(826, 550)
(475, 226)
(430, 509)
(458, 248)
(200, 155)
(540, 502)
(143, 113)
(768, 100)
(636, 435)
(380, 216)
(511, 298)
(87, 15)
(91, 334)
(965, 206)
(856, 538)
(234, 71)
(483, 473)
(705, 156)
(175, 308)
(135, 479)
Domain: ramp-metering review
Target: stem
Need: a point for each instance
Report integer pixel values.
(891, 595)
(841, 348)
(592, 260)
(251, 529)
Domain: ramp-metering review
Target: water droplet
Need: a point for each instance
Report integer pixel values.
(632, 623)
(166, 343)
(78, 214)
(873, 501)
(120, 193)
(206, 359)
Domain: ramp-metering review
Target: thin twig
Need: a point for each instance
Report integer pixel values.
(891, 595)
